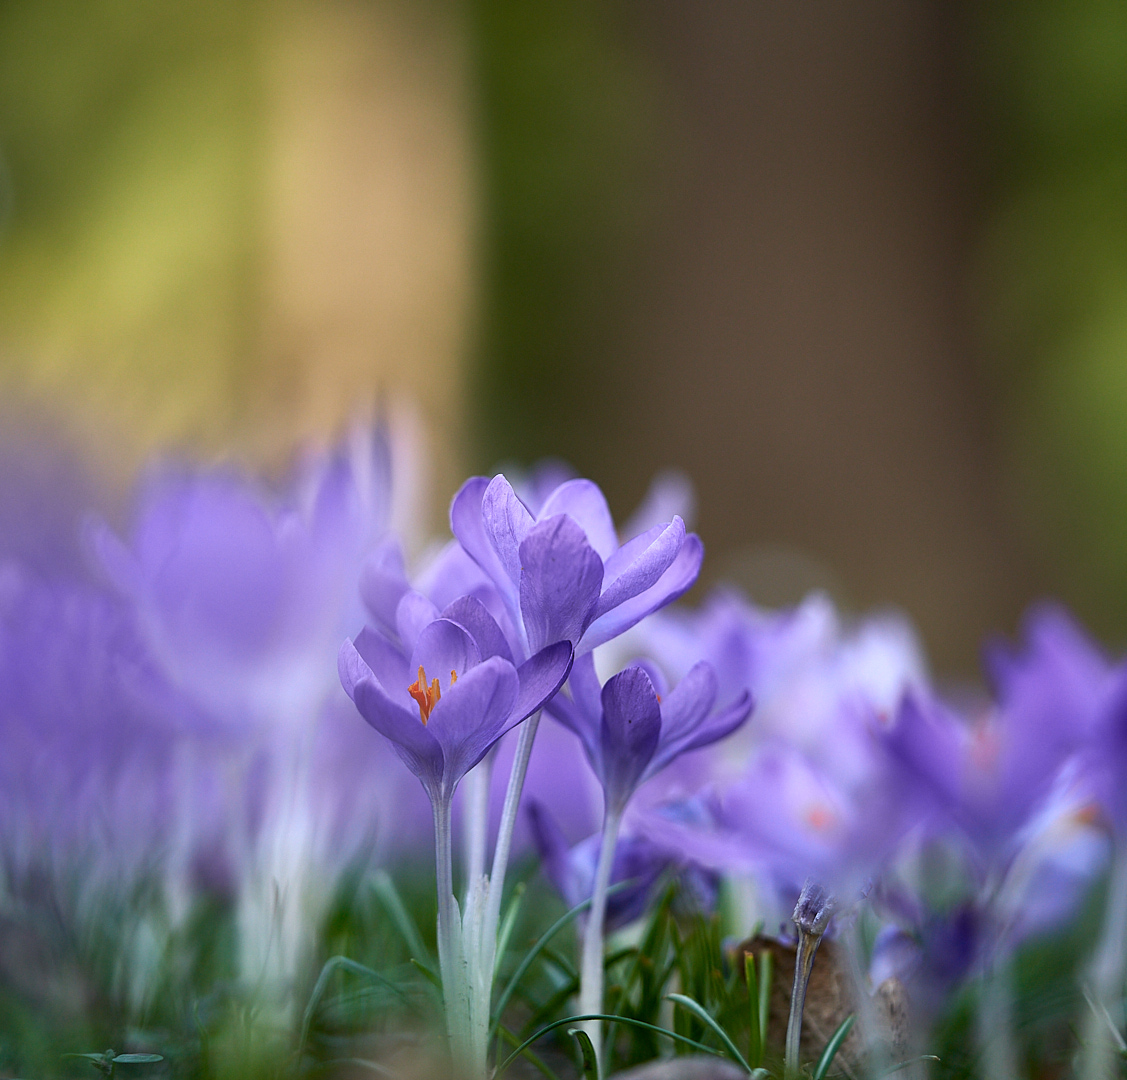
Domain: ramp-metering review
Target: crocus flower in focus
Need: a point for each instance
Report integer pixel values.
(563, 573)
(443, 723)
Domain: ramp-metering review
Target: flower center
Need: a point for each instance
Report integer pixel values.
(427, 696)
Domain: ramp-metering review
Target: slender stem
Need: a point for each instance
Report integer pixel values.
(803, 964)
(475, 787)
(448, 928)
(1103, 1023)
(505, 832)
(591, 974)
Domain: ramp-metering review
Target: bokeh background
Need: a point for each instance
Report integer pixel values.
(859, 269)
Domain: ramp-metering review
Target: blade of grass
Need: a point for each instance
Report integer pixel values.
(385, 889)
(603, 1016)
(832, 1047)
(507, 925)
(589, 1065)
(335, 963)
(766, 975)
(706, 1017)
(528, 1053)
(755, 1040)
(431, 977)
(903, 1065)
(532, 953)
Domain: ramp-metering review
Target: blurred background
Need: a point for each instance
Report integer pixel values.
(859, 269)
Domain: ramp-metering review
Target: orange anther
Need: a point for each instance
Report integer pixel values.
(426, 696)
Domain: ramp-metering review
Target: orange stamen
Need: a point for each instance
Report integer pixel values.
(426, 696)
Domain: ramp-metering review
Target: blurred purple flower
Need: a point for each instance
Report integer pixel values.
(442, 726)
(562, 573)
(571, 869)
(245, 596)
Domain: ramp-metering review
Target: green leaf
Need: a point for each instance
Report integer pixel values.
(137, 1059)
(589, 1064)
(703, 1014)
(603, 1016)
(531, 955)
(755, 1039)
(832, 1047)
(766, 975)
(904, 1064)
(432, 978)
(527, 1052)
(385, 889)
(335, 963)
(507, 925)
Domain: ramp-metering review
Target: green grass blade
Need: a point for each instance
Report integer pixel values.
(589, 1064)
(603, 1016)
(755, 1039)
(766, 975)
(705, 1016)
(385, 889)
(507, 925)
(904, 1064)
(335, 963)
(429, 973)
(832, 1047)
(528, 1053)
(530, 956)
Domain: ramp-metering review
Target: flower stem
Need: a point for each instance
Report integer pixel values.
(812, 915)
(449, 931)
(505, 832)
(1105, 1018)
(591, 974)
(476, 786)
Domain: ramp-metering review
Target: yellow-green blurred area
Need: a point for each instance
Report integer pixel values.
(859, 268)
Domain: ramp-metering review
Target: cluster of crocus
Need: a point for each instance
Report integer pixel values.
(171, 703)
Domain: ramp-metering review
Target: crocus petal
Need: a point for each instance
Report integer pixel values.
(542, 676)
(384, 661)
(711, 729)
(670, 494)
(687, 704)
(471, 614)
(647, 562)
(586, 690)
(473, 714)
(383, 581)
(443, 647)
(413, 612)
(676, 581)
(589, 731)
(418, 748)
(507, 523)
(630, 732)
(585, 504)
(468, 526)
(561, 577)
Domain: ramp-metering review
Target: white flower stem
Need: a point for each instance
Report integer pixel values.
(1103, 1027)
(450, 961)
(475, 787)
(505, 834)
(591, 972)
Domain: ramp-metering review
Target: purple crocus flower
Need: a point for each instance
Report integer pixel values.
(442, 724)
(634, 726)
(562, 572)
